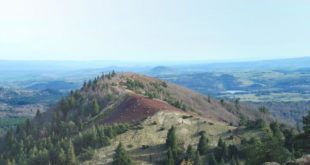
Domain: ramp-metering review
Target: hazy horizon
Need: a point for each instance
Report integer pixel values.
(292, 63)
(204, 61)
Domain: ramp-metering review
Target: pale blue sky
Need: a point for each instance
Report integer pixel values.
(154, 30)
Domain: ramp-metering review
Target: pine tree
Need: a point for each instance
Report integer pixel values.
(203, 145)
(38, 114)
(21, 158)
(209, 99)
(190, 154)
(61, 157)
(89, 83)
(306, 124)
(225, 153)
(113, 73)
(170, 158)
(171, 139)
(276, 130)
(232, 162)
(302, 140)
(263, 110)
(121, 157)
(9, 138)
(41, 157)
(221, 151)
(237, 161)
(306, 134)
(222, 162)
(212, 160)
(84, 85)
(109, 132)
(10, 162)
(96, 107)
(271, 149)
(220, 142)
(70, 157)
(233, 151)
(197, 160)
(72, 101)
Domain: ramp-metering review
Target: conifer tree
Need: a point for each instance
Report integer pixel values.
(84, 85)
(237, 161)
(221, 151)
(197, 160)
(306, 134)
(89, 83)
(222, 162)
(171, 139)
(306, 123)
(232, 162)
(71, 158)
(121, 157)
(96, 107)
(220, 142)
(170, 158)
(9, 138)
(38, 114)
(190, 154)
(209, 99)
(61, 157)
(276, 130)
(203, 145)
(21, 153)
(212, 160)
(10, 162)
(113, 73)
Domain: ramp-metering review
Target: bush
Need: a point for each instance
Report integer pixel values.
(145, 147)
(87, 154)
(186, 117)
(134, 84)
(121, 157)
(161, 129)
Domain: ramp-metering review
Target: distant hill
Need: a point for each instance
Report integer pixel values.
(54, 85)
(133, 109)
(287, 64)
(162, 70)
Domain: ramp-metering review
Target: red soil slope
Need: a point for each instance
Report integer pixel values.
(136, 108)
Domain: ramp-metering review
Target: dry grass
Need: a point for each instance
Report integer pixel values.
(154, 134)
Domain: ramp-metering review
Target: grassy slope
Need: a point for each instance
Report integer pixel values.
(154, 132)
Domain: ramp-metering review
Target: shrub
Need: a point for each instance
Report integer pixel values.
(87, 154)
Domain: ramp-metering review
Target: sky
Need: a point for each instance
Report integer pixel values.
(154, 30)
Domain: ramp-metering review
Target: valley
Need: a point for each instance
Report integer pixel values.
(285, 93)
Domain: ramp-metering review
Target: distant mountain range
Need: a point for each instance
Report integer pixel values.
(284, 64)
(65, 66)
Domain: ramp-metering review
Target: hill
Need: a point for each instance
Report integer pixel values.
(155, 91)
(86, 126)
(162, 70)
(258, 65)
